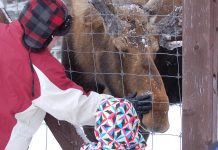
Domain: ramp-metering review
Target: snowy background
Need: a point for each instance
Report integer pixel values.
(44, 140)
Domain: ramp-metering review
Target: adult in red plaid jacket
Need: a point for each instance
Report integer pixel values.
(32, 81)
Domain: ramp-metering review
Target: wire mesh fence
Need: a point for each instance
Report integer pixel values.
(143, 55)
(91, 37)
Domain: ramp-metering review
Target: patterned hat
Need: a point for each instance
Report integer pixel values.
(40, 19)
(116, 127)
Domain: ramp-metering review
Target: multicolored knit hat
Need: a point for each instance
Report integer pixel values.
(116, 127)
(41, 19)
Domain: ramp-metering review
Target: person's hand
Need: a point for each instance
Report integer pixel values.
(142, 104)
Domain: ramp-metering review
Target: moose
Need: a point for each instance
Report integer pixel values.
(116, 56)
(100, 56)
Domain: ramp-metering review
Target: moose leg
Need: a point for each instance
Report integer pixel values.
(89, 131)
(64, 133)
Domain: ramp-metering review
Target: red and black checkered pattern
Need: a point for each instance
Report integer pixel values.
(40, 19)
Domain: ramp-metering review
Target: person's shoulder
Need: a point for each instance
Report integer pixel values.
(3, 27)
(45, 60)
(12, 30)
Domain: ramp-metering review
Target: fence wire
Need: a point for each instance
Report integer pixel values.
(167, 60)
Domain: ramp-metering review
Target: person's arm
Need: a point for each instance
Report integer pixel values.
(71, 105)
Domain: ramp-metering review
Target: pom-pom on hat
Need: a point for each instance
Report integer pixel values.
(40, 20)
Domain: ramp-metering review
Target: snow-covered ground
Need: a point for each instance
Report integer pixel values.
(170, 140)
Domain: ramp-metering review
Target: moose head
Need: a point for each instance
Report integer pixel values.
(111, 49)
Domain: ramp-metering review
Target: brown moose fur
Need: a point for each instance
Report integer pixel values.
(158, 8)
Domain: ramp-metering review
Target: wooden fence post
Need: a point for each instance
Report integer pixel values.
(200, 46)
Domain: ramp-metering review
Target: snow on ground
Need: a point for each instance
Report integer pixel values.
(170, 140)
(44, 140)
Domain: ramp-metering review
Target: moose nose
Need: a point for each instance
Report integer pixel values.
(160, 129)
(131, 95)
(135, 93)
